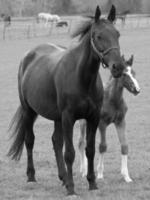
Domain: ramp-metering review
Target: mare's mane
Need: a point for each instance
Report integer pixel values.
(84, 26)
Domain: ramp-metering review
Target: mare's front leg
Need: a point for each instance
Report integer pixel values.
(92, 125)
(82, 145)
(102, 149)
(69, 155)
(124, 150)
(58, 140)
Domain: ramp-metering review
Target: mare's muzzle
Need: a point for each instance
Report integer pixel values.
(117, 70)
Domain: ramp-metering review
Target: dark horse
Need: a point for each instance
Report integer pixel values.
(62, 23)
(64, 86)
(6, 19)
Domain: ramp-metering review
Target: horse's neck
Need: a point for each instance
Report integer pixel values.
(88, 64)
(114, 89)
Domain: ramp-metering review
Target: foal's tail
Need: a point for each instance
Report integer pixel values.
(18, 125)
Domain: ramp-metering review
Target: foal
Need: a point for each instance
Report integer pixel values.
(113, 110)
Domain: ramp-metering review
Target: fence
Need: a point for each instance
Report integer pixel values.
(28, 28)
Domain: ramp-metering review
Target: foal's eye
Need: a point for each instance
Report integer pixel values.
(118, 34)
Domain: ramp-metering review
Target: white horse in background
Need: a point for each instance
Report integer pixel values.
(56, 18)
(47, 17)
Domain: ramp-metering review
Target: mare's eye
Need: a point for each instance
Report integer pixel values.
(99, 37)
(118, 34)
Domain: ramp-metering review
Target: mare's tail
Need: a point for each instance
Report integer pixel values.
(18, 125)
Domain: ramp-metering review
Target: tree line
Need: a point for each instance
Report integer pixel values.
(67, 7)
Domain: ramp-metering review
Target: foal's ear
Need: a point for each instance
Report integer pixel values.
(112, 14)
(97, 13)
(123, 58)
(130, 61)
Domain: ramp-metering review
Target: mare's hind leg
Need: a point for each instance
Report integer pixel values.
(124, 150)
(82, 145)
(102, 149)
(58, 140)
(29, 143)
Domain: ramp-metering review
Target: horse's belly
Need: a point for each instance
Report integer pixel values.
(45, 108)
(40, 94)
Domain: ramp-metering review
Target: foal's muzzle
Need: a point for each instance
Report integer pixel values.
(135, 91)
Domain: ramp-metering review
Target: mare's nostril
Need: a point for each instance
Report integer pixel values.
(117, 70)
(114, 66)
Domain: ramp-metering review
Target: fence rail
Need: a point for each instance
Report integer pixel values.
(28, 28)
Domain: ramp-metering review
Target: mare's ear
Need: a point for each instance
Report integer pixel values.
(130, 61)
(97, 13)
(112, 14)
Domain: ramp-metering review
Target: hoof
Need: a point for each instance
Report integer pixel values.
(63, 183)
(72, 197)
(70, 190)
(126, 177)
(31, 179)
(93, 186)
(128, 180)
(71, 193)
(62, 179)
(100, 176)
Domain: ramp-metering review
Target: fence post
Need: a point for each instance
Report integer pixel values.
(4, 31)
(28, 31)
(51, 28)
(70, 25)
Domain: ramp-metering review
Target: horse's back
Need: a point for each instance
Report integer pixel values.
(47, 49)
(39, 53)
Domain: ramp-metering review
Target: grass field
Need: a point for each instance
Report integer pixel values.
(13, 183)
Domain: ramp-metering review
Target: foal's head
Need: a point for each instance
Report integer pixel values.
(105, 42)
(128, 77)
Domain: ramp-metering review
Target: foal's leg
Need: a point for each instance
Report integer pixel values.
(102, 149)
(29, 143)
(124, 150)
(69, 155)
(81, 145)
(90, 149)
(57, 140)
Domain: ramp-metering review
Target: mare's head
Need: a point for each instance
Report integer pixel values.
(128, 78)
(105, 42)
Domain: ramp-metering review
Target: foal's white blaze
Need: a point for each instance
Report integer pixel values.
(100, 166)
(124, 168)
(133, 79)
